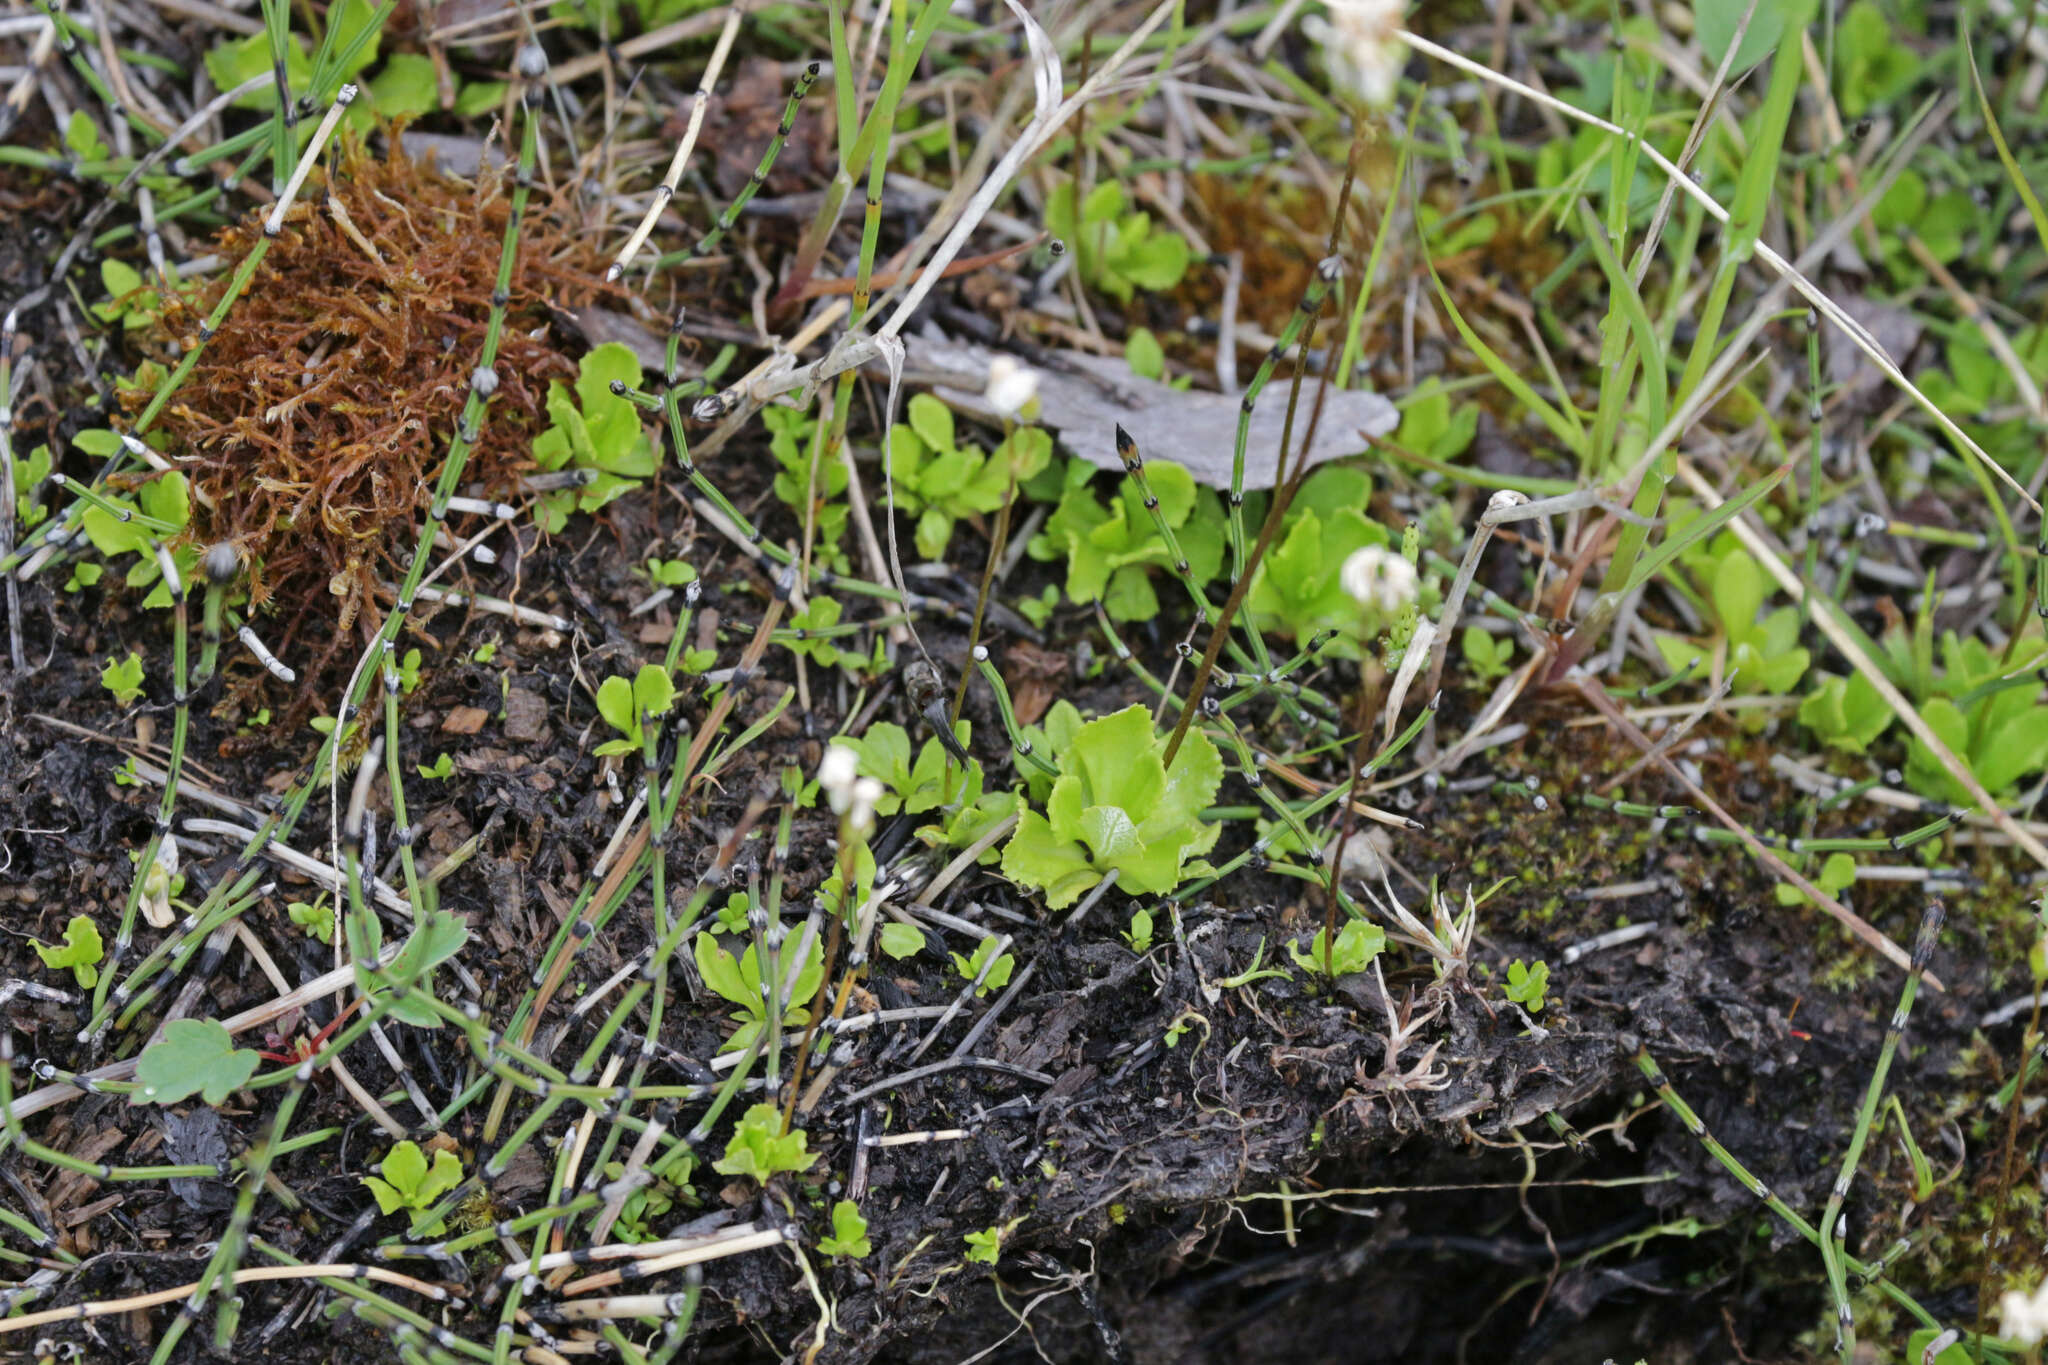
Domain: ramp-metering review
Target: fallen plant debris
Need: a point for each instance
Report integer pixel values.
(778, 683)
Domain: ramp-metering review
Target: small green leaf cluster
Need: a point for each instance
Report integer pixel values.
(739, 981)
(1999, 732)
(1837, 874)
(593, 428)
(313, 917)
(1446, 237)
(999, 970)
(194, 1057)
(809, 484)
(1941, 221)
(849, 1239)
(131, 300)
(671, 1185)
(965, 811)
(81, 951)
(986, 1246)
(1115, 251)
(1846, 713)
(1138, 938)
(1527, 984)
(160, 509)
(1765, 654)
(1111, 549)
(442, 767)
(29, 472)
(760, 1150)
(1117, 805)
(1358, 943)
(1147, 359)
(1488, 655)
(1432, 426)
(622, 703)
(938, 479)
(812, 624)
(1297, 588)
(1872, 67)
(406, 1180)
(123, 678)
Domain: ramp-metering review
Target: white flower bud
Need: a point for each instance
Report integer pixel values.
(2023, 1318)
(860, 812)
(1378, 579)
(1361, 46)
(1011, 386)
(836, 774)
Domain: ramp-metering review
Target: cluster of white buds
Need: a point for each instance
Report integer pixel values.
(2023, 1318)
(853, 797)
(1362, 46)
(1379, 579)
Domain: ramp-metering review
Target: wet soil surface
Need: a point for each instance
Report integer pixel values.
(1196, 1170)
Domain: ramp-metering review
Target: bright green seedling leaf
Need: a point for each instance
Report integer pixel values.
(81, 951)
(1116, 806)
(407, 87)
(1114, 251)
(900, 941)
(760, 1150)
(986, 1246)
(1431, 425)
(998, 972)
(812, 486)
(442, 766)
(593, 428)
(409, 671)
(315, 918)
(739, 981)
(1358, 943)
(849, 1239)
(29, 474)
(1112, 549)
(916, 787)
(939, 480)
(1144, 354)
(1527, 985)
(194, 1057)
(1836, 875)
(623, 703)
(1715, 21)
(1847, 713)
(1487, 654)
(123, 678)
(1298, 588)
(671, 573)
(406, 1180)
(1139, 936)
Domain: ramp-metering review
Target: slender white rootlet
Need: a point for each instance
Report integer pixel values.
(342, 99)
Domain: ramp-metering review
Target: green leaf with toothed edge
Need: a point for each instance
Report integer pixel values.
(194, 1057)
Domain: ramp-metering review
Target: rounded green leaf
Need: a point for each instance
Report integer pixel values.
(194, 1057)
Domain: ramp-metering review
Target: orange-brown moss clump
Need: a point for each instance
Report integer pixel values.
(318, 417)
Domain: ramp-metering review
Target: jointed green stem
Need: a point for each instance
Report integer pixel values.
(710, 240)
(1832, 1251)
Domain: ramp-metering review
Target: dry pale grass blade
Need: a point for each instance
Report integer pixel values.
(1858, 334)
(667, 189)
(1824, 610)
